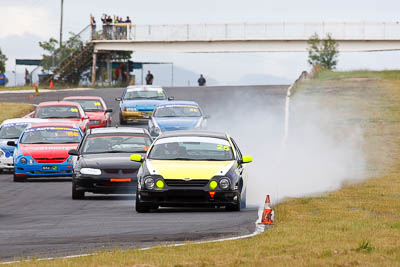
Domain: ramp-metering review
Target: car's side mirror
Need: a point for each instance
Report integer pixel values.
(11, 143)
(73, 152)
(136, 157)
(118, 99)
(171, 98)
(109, 110)
(207, 116)
(247, 159)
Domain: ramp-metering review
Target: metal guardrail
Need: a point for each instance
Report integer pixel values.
(252, 31)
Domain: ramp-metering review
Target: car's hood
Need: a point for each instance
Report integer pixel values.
(109, 161)
(95, 116)
(6, 148)
(142, 104)
(177, 123)
(76, 121)
(180, 169)
(47, 150)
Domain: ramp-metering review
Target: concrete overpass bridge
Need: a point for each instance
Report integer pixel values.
(246, 37)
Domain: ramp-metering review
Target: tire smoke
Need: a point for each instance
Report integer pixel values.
(322, 150)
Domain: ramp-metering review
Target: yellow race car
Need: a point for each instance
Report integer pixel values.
(192, 168)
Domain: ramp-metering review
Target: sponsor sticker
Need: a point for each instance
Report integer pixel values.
(74, 110)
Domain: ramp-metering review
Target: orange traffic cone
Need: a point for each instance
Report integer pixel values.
(51, 84)
(268, 214)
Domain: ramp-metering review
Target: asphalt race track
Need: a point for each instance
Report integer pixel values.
(39, 218)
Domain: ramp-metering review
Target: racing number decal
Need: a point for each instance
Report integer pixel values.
(222, 147)
(73, 134)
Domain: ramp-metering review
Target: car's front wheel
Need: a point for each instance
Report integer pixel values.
(77, 194)
(19, 179)
(236, 206)
(140, 207)
(121, 120)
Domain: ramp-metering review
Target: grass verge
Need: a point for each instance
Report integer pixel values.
(13, 110)
(357, 225)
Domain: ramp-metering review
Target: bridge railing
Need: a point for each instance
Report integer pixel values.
(253, 31)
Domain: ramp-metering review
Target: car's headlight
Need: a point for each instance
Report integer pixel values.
(213, 185)
(130, 109)
(149, 183)
(157, 130)
(69, 160)
(90, 171)
(224, 183)
(22, 160)
(160, 184)
(30, 162)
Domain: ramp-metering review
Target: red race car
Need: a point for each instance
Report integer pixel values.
(62, 110)
(95, 108)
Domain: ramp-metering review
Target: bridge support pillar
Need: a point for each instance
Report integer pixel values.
(94, 69)
(109, 69)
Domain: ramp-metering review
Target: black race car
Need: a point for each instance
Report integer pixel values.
(102, 162)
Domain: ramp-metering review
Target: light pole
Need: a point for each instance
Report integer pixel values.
(61, 22)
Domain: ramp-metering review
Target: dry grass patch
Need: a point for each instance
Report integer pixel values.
(13, 110)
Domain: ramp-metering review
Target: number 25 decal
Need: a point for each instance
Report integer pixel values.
(222, 147)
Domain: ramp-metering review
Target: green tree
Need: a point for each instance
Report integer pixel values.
(55, 55)
(3, 60)
(323, 53)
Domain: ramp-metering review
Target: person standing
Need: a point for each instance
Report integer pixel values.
(149, 78)
(93, 25)
(202, 81)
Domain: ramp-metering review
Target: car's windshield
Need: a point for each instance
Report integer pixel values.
(117, 143)
(144, 94)
(191, 148)
(51, 135)
(56, 112)
(12, 130)
(90, 105)
(177, 111)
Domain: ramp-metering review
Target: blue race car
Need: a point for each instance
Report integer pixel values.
(177, 115)
(10, 130)
(42, 150)
(138, 102)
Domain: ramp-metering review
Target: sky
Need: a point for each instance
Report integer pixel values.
(26, 22)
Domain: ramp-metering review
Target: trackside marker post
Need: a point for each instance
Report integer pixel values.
(268, 214)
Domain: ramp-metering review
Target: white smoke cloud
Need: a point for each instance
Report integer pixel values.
(318, 157)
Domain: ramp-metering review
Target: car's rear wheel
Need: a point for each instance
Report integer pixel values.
(121, 120)
(236, 206)
(19, 179)
(139, 206)
(77, 194)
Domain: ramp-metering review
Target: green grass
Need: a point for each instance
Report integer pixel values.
(356, 226)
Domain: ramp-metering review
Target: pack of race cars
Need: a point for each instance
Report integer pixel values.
(174, 162)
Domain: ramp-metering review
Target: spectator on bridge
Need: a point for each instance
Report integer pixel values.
(128, 20)
(202, 81)
(93, 25)
(149, 78)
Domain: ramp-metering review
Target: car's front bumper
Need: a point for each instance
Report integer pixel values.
(187, 197)
(121, 185)
(6, 163)
(36, 170)
(136, 116)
